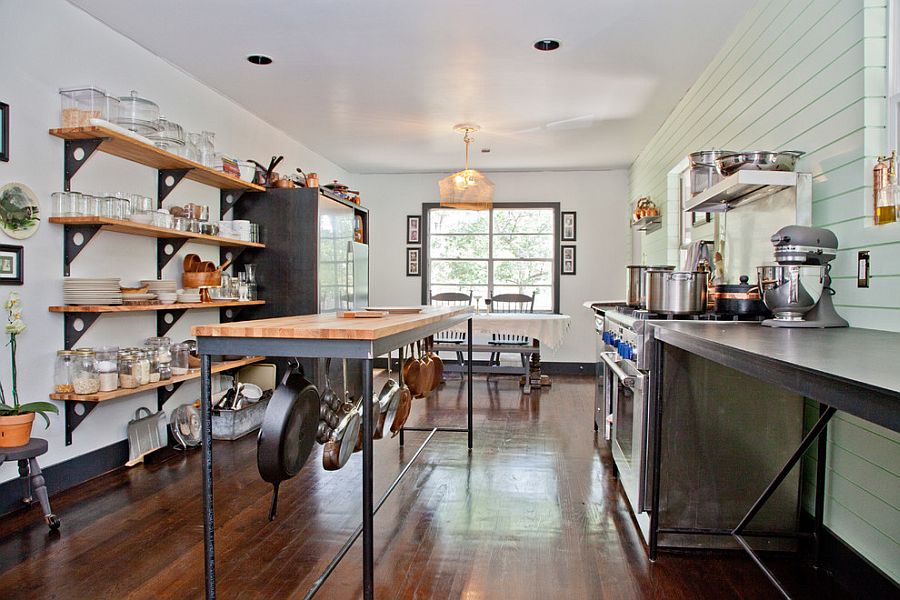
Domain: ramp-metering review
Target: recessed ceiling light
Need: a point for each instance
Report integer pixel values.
(546, 45)
(260, 59)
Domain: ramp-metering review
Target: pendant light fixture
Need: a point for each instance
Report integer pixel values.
(467, 189)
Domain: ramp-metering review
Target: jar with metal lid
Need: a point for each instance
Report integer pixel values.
(63, 372)
(181, 354)
(127, 378)
(85, 378)
(108, 367)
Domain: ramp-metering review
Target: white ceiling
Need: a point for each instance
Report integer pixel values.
(376, 85)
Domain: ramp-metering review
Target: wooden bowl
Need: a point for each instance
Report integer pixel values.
(196, 280)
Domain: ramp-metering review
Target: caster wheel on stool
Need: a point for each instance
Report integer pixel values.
(52, 522)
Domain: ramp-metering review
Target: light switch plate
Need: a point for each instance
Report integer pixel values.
(862, 269)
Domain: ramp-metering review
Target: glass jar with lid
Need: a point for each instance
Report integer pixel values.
(108, 367)
(63, 372)
(181, 354)
(85, 378)
(138, 114)
(78, 105)
(142, 370)
(127, 377)
(62, 204)
(152, 355)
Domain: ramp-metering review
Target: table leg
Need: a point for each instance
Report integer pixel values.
(206, 442)
(819, 513)
(368, 508)
(469, 373)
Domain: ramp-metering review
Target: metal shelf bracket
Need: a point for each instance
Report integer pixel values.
(71, 246)
(162, 187)
(73, 334)
(73, 418)
(72, 164)
(163, 257)
(165, 319)
(163, 394)
(227, 200)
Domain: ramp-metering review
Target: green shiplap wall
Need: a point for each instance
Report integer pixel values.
(810, 75)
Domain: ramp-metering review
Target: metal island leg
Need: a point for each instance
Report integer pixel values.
(206, 443)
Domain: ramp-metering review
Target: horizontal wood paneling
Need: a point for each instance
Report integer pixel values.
(809, 75)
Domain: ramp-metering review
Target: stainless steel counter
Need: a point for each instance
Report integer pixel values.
(853, 370)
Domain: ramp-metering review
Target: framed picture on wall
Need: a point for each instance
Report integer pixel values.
(568, 260)
(568, 227)
(12, 270)
(413, 229)
(4, 131)
(412, 262)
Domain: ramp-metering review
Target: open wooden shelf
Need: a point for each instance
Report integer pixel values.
(114, 308)
(133, 228)
(121, 392)
(124, 146)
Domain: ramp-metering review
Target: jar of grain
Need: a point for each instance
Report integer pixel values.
(127, 378)
(181, 354)
(142, 372)
(86, 379)
(63, 372)
(108, 367)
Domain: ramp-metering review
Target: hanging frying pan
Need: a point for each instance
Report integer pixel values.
(340, 447)
(388, 399)
(288, 431)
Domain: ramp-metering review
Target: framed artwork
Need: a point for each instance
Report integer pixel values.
(12, 267)
(412, 262)
(568, 260)
(413, 229)
(4, 131)
(568, 226)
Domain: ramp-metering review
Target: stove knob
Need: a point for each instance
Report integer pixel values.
(626, 349)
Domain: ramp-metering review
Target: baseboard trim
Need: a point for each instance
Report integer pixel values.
(67, 474)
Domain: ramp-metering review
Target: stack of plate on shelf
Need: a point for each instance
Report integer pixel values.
(165, 289)
(138, 298)
(78, 290)
(189, 296)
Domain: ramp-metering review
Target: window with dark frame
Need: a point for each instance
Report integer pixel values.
(511, 248)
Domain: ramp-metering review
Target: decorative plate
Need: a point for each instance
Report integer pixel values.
(20, 211)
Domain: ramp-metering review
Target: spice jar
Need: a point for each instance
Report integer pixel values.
(63, 372)
(127, 377)
(108, 367)
(85, 377)
(181, 354)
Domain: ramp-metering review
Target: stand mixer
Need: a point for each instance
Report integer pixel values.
(798, 290)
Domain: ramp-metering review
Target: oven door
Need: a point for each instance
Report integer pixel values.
(627, 387)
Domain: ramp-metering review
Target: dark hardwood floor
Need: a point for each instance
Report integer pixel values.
(532, 512)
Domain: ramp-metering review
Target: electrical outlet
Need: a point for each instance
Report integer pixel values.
(862, 269)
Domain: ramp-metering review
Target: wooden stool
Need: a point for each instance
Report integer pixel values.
(30, 473)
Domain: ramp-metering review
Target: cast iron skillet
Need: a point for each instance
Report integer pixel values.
(288, 431)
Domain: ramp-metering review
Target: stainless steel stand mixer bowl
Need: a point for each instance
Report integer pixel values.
(798, 290)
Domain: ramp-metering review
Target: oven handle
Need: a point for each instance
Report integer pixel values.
(626, 379)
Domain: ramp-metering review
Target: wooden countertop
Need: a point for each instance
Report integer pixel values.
(328, 326)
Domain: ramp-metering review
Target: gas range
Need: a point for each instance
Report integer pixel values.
(624, 330)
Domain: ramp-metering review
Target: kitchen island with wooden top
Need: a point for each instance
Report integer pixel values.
(323, 336)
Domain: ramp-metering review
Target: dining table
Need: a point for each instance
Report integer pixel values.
(510, 332)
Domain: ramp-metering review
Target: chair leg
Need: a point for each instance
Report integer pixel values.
(40, 490)
(26, 480)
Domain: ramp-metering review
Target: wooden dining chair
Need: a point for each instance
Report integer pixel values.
(509, 303)
(452, 337)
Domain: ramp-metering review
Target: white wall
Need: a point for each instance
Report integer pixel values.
(603, 245)
(49, 44)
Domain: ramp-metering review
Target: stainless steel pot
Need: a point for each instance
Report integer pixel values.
(758, 160)
(636, 285)
(677, 292)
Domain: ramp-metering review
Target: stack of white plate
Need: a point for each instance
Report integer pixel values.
(189, 296)
(165, 289)
(78, 290)
(138, 298)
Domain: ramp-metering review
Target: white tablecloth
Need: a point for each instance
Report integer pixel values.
(549, 329)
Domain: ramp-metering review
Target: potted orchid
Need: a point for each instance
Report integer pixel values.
(17, 419)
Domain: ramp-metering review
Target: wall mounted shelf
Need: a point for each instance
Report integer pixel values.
(740, 188)
(647, 224)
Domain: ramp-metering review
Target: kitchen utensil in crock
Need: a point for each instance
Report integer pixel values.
(288, 431)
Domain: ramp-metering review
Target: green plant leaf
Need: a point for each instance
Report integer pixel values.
(40, 408)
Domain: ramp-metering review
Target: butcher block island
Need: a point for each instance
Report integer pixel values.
(329, 336)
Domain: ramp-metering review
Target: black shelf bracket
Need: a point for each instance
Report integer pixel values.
(162, 188)
(227, 200)
(72, 164)
(72, 335)
(73, 419)
(229, 314)
(163, 257)
(165, 319)
(71, 249)
(233, 251)
(164, 393)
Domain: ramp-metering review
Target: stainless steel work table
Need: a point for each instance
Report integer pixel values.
(838, 368)
(323, 336)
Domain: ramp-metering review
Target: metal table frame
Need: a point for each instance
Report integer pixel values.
(830, 395)
(365, 350)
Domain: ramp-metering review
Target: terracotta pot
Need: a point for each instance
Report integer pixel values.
(15, 430)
